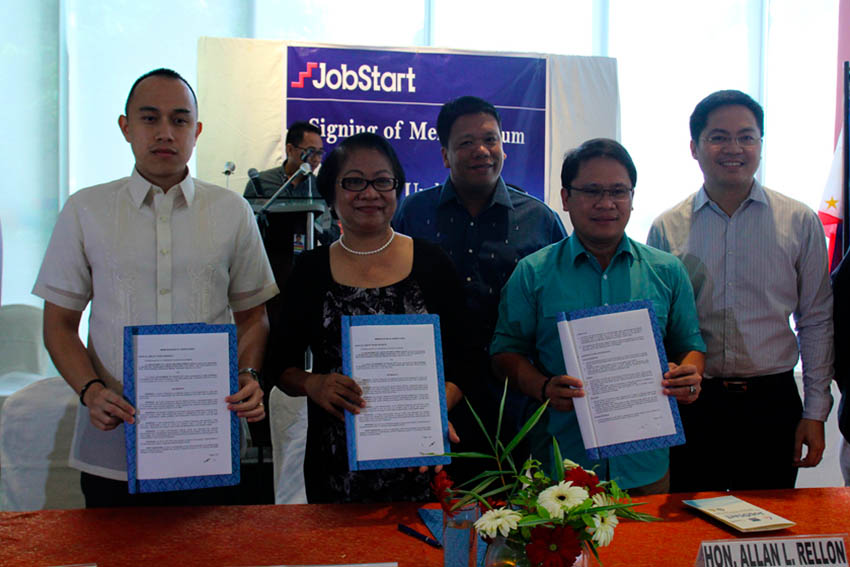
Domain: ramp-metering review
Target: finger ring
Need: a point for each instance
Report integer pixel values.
(692, 389)
(259, 405)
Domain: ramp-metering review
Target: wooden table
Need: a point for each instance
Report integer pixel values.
(355, 533)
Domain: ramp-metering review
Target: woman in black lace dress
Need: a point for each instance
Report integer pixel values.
(369, 270)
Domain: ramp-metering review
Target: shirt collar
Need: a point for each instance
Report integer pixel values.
(140, 187)
(576, 249)
(756, 194)
(500, 195)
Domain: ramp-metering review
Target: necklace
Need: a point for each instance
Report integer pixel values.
(368, 252)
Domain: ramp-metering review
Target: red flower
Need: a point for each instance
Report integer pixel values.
(556, 547)
(581, 477)
(496, 503)
(442, 485)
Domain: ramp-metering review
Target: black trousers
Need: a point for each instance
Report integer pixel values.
(740, 435)
(101, 492)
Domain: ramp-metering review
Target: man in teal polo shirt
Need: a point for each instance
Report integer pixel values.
(597, 265)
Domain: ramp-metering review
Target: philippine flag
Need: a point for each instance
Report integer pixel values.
(831, 210)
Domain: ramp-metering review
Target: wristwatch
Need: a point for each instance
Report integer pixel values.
(251, 371)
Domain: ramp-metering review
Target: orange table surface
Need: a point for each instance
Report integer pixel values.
(358, 533)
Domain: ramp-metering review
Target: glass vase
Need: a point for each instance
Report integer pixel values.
(502, 553)
(460, 540)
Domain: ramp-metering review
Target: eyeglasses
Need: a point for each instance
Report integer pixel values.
(722, 140)
(596, 194)
(358, 184)
(310, 152)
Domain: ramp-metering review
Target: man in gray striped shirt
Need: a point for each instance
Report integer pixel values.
(754, 257)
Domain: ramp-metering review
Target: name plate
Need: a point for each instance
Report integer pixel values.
(776, 552)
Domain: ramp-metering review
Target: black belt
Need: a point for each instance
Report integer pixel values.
(739, 385)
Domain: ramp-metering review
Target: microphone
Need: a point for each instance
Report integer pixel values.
(229, 167)
(304, 169)
(255, 181)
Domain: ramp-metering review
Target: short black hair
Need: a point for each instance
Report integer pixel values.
(462, 106)
(295, 132)
(597, 147)
(331, 167)
(699, 117)
(161, 72)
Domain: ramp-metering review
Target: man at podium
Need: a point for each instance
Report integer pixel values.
(303, 144)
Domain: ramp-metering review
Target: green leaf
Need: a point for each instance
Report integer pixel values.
(470, 455)
(502, 409)
(532, 421)
(639, 516)
(559, 460)
(483, 429)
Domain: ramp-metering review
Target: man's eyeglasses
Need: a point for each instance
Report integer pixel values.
(310, 152)
(596, 194)
(722, 140)
(358, 184)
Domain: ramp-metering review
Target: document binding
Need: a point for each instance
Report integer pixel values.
(597, 452)
(136, 485)
(349, 321)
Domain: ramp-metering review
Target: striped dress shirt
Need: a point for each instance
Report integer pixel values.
(750, 273)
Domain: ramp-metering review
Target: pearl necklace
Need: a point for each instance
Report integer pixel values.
(369, 252)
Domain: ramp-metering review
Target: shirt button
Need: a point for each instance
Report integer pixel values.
(604, 276)
(469, 278)
(164, 251)
(163, 219)
(471, 223)
(470, 250)
(163, 291)
(606, 303)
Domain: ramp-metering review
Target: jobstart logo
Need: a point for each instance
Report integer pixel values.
(367, 78)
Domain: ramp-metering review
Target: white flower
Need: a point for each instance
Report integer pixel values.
(602, 499)
(560, 497)
(568, 464)
(603, 531)
(499, 520)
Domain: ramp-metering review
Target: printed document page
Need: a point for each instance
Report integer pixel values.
(618, 362)
(396, 366)
(182, 421)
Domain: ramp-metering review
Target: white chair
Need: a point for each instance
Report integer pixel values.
(288, 422)
(36, 428)
(21, 344)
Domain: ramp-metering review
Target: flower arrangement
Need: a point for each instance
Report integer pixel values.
(550, 521)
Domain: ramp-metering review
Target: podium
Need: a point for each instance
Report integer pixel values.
(287, 228)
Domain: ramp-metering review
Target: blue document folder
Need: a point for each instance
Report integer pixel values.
(136, 484)
(428, 459)
(646, 444)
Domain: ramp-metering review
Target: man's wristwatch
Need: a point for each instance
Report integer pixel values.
(251, 371)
